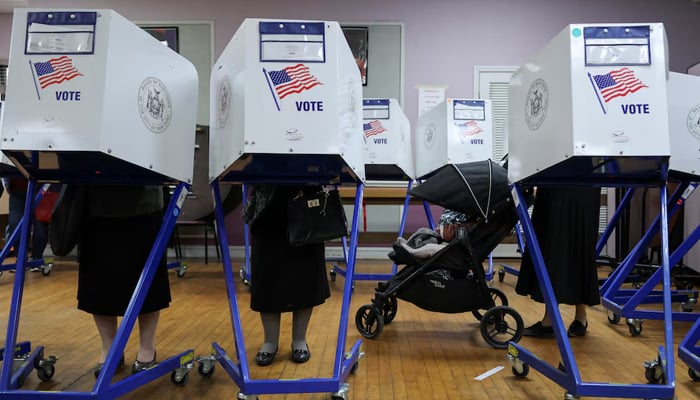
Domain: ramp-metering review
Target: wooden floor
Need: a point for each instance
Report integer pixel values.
(420, 355)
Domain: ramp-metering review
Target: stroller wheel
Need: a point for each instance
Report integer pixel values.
(389, 309)
(369, 321)
(499, 299)
(500, 325)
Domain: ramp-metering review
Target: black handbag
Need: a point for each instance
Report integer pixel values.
(316, 217)
(66, 219)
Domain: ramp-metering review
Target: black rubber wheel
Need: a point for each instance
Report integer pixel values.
(500, 325)
(46, 372)
(523, 373)
(182, 381)
(499, 299)
(693, 375)
(390, 308)
(613, 318)
(653, 374)
(206, 372)
(369, 321)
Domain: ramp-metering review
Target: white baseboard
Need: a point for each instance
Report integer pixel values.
(332, 252)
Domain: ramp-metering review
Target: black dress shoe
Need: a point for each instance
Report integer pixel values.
(538, 330)
(264, 358)
(301, 356)
(99, 366)
(139, 366)
(577, 328)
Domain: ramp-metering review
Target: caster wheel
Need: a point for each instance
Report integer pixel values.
(613, 318)
(501, 275)
(46, 269)
(635, 326)
(181, 271)
(389, 310)
(206, 370)
(179, 378)
(499, 299)
(500, 325)
(333, 275)
(369, 321)
(693, 375)
(522, 372)
(45, 373)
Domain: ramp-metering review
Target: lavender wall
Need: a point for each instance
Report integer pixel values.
(444, 39)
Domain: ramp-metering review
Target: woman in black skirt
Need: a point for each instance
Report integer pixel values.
(565, 220)
(284, 278)
(119, 228)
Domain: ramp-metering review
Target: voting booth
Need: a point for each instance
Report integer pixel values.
(453, 132)
(93, 99)
(590, 108)
(84, 87)
(594, 91)
(286, 108)
(286, 101)
(388, 148)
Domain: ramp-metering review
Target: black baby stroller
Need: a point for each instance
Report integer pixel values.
(448, 276)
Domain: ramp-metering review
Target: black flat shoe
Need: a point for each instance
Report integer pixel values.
(139, 366)
(99, 366)
(538, 330)
(301, 356)
(577, 329)
(264, 358)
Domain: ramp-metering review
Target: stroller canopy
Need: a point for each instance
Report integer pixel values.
(471, 188)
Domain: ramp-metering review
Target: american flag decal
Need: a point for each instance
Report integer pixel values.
(471, 128)
(55, 71)
(373, 128)
(294, 79)
(617, 83)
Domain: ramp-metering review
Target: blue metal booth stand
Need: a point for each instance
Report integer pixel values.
(592, 141)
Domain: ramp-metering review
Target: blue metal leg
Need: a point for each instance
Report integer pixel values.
(238, 369)
(570, 378)
(104, 389)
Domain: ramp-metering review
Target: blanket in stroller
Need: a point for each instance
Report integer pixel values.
(445, 282)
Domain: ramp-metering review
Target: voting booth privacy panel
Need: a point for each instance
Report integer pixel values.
(286, 102)
(684, 120)
(80, 93)
(453, 132)
(594, 91)
(388, 149)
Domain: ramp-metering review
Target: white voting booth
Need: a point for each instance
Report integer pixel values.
(94, 99)
(590, 109)
(286, 88)
(388, 148)
(453, 132)
(97, 90)
(684, 119)
(593, 91)
(286, 108)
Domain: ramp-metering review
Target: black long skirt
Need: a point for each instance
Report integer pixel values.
(566, 224)
(113, 252)
(284, 277)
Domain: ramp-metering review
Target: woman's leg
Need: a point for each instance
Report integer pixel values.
(107, 328)
(271, 329)
(300, 324)
(147, 335)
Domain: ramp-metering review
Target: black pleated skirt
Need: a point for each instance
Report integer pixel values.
(566, 224)
(113, 252)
